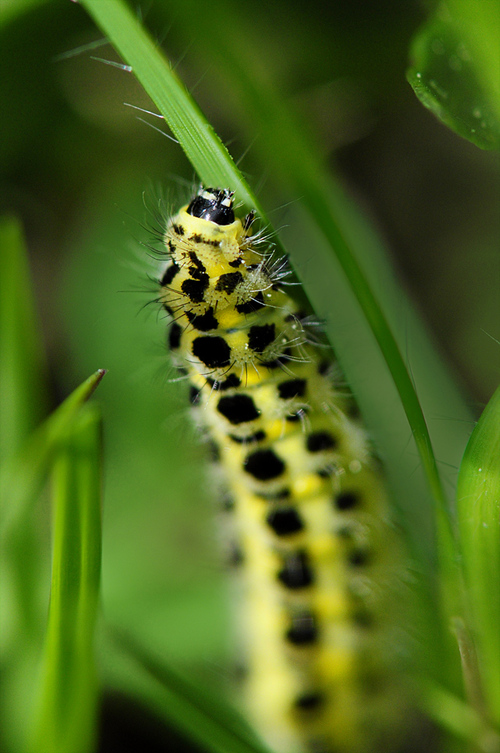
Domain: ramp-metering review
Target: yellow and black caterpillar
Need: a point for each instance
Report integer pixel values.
(320, 559)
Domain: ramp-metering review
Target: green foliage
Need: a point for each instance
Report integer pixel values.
(69, 692)
(456, 69)
(21, 363)
(478, 509)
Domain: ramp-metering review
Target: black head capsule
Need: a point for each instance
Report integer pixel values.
(213, 204)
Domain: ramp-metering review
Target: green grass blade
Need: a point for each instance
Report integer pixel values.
(24, 475)
(69, 694)
(478, 507)
(22, 397)
(452, 714)
(456, 69)
(22, 403)
(195, 711)
(21, 482)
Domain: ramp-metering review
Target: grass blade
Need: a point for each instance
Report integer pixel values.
(68, 701)
(22, 396)
(21, 482)
(22, 401)
(478, 508)
(24, 476)
(451, 713)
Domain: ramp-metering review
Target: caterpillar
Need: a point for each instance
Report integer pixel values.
(320, 558)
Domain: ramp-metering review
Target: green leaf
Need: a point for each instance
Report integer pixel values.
(69, 693)
(195, 711)
(478, 507)
(455, 69)
(22, 397)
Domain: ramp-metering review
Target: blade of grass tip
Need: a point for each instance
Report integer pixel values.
(68, 697)
(478, 511)
(23, 395)
(21, 482)
(196, 712)
(24, 475)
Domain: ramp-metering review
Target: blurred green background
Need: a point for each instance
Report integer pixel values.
(86, 177)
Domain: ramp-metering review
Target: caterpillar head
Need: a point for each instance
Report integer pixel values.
(207, 226)
(213, 204)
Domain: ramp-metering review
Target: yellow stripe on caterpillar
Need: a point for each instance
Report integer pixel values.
(320, 560)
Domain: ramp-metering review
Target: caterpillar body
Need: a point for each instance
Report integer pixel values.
(320, 558)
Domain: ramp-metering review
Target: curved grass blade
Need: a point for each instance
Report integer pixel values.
(21, 482)
(478, 508)
(287, 146)
(69, 693)
(452, 714)
(195, 711)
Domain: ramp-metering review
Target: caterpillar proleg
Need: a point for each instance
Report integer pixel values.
(320, 558)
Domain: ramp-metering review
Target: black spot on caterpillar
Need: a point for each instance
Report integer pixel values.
(214, 352)
(285, 521)
(238, 409)
(292, 388)
(296, 571)
(228, 282)
(302, 485)
(261, 336)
